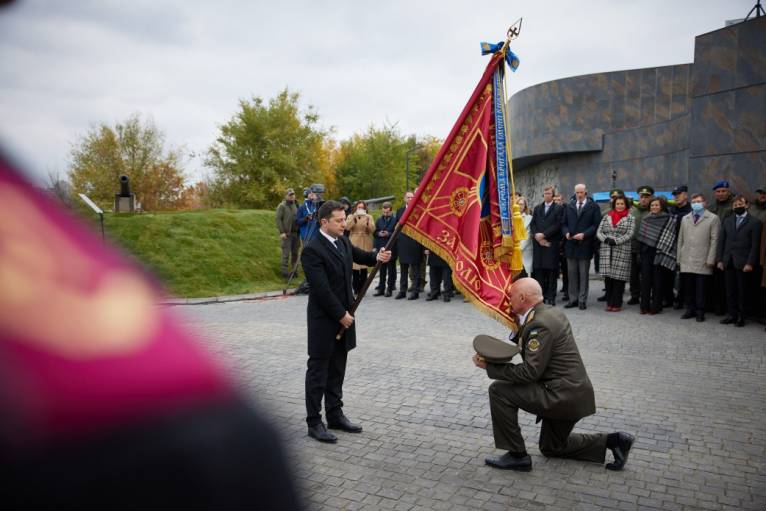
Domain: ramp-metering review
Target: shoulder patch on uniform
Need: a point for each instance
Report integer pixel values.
(533, 345)
(534, 332)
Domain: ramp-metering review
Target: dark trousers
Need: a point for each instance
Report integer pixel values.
(564, 274)
(359, 278)
(694, 291)
(736, 290)
(556, 437)
(635, 276)
(548, 282)
(614, 291)
(439, 274)
(652, 280)
(324, 378)
(387, 274)
(404, 270)
(668, 284)
(719, 292)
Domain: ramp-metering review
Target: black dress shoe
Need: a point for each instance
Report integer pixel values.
(633, 301)
(565, 297)
(678, 306)
(700, 317)
(570, 305)
(401, 295)
(620, 452)
(318, 432)
(413, 296)
(601, 298)
(342, 423)
(446, 297)
(378, 292)
(583, 306)
(728, 320)
(388, 294)
(432, 296)
(508, 462)
(740, 322)
(688, 314)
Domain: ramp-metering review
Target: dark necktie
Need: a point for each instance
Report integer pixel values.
(696, 218)
(339, 246)
(739, 221)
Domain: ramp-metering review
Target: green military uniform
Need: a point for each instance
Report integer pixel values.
(551, 383)
(722, 209)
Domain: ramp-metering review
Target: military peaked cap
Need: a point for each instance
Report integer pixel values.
(494, 350)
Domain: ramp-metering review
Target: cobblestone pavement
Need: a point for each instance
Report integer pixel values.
(692, 393)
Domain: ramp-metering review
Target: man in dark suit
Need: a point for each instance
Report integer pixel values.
(551, 382)
(327, 261)
(581, 219)
(738, 250)
(410, 253)
(545, 229)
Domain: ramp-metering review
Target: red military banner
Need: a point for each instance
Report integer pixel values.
(456, 212)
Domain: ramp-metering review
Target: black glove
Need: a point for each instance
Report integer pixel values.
(610, 241)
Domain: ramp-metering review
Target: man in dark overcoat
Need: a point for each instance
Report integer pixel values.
(551, 383)
(581, 219)
(738, 249)
(327, 261)
(410, 253)
(384, 229)
(545, 229)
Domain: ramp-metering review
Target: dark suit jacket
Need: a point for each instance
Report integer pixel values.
(739, 246)
(552, 372)
(408, 250)
(586, 223)
(546, 258)
(329, 276)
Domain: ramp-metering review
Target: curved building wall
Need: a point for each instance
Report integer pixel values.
(661, 126)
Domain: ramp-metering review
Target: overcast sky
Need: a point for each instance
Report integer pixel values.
(66, 66)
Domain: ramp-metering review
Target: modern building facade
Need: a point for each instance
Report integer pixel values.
(685, 124)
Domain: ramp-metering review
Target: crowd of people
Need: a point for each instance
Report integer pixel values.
(695, 252)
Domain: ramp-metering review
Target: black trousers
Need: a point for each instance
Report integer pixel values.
(652, 280)
(556, 437)
(387, 273)
(736, 291)
(635, 276)
(359, 278)
(719, 291)
(548, 280)
(694, 291)
(324, 378)
(439, 274)
(668, 284)
(404, 269)
(614, 291)
(564, 274)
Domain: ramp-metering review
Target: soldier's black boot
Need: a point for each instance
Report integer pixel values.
(620, 444)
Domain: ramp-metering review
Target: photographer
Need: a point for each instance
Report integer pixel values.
(306, 215)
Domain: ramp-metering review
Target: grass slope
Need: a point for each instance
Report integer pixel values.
(204, 253)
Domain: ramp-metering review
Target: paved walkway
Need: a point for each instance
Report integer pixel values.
(693, 394)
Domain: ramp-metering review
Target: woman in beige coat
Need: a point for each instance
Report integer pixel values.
(360, 226)
(697, 243)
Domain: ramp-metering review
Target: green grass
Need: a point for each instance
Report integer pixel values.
(204, 253)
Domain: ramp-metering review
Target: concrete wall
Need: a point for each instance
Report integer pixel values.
(684, 124)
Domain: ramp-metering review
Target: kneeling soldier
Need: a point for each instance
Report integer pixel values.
(551, 383)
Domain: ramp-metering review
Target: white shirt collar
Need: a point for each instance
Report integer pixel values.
(330, 238)
(523, 318)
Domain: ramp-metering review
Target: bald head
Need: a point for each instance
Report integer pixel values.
(525, 294)
(580, 191)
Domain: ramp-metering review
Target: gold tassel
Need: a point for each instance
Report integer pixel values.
(519, 233)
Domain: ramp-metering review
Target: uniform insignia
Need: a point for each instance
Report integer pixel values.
(530, 317)
(534, 332)
(533, 345)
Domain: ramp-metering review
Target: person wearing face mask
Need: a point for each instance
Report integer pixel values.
(360, 227)
(551, 382)
(697, 245)
(657, 246)
(737, 255)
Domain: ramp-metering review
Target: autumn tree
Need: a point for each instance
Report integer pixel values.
(265, 148)
(132, 148)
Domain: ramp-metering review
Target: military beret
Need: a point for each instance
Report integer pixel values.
(616, 191)
(679, 189)
(494, 350)
(721, 184)
(645, 190)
